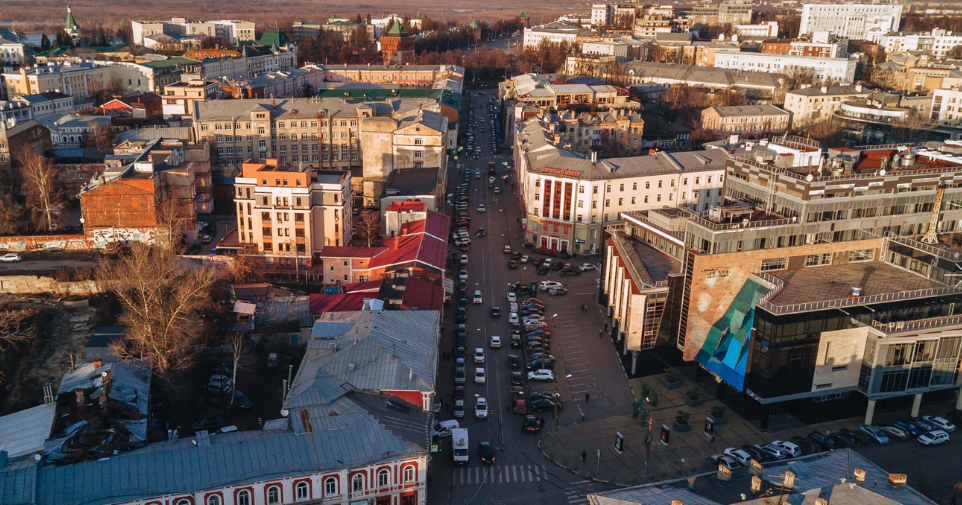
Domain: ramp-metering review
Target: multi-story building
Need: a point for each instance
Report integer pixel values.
(828, 70)
(179, 98)
(295, 82)
(11, 49)
(745, 119)
(373, 138)
(817, 103)
(288, 212)
(791, 295)
(70, 130)
(852, 20)
(821, 45)
(45, 104)
(765, 30)
(397, 46)
(13, 112)
(237, 32)
(613, 133)
(938, 42)
(15, 138)
(757, 86)
(569, 198)
(75, 79)
(245, 62)
(947, 107)
(734, 13)
(153, 75)
(555, 33)
(130, 200)
(650, 26)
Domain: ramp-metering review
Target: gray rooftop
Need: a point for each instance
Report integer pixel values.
(24, 432)
(707, 76)
(749, 110)
(835, 282)
(831, 91)
(305, 108)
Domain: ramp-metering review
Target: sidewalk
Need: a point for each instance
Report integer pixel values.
(686, 453)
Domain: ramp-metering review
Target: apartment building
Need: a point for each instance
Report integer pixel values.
(613, 133)
(569, 198)
(13, 112)
(75, 79)
(650, 26)
(555, 33)
(938, 42)
(852, 20)
(45, 104)
(295, 82)
(819, 45)
(766, 30)
(180, 98)
(818, 103)
(129, 201)
(245, 62)
(712, 14)
(11, 49)
(237, 32)
(290, 211)
(539, 91)
(828, 70)
(757, 86)
(947, 107)
(15, 138)
(745, 119)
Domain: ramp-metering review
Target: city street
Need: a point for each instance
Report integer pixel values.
(585, 364)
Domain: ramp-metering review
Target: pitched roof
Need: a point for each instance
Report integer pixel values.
(321, 303)
(24, 432)
(274, 37)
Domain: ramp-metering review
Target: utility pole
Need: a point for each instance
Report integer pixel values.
(556, 413)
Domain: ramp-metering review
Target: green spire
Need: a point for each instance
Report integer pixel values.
(70, 25)
(397, 29)
(474, 25)
(523, 15)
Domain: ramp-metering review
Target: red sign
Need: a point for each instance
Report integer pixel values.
(569, 173)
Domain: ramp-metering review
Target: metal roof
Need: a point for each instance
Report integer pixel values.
(24, 432)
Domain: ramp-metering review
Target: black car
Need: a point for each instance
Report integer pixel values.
(532, 424)
(822, 440)
(481, 232)
(547, 395)
(211, 423)
(542, 356)
(462, 293)
(543, 270)
(569, 273)
(515, 340)
(513, 265)
(463, 284)
(463, 303)
(486, 452)
(495, 312)
(860, 437)
(544, 404)
(514, 363)
(517, 393)
(843, 441)
(540, 364)
(757, 455)
(193, 249)
(462, 315)
(517, 379)
(806, 445)
(555, 266)
(459, 353)
(516, 255)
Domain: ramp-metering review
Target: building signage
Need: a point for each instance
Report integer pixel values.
(716, 272)
(558, 171)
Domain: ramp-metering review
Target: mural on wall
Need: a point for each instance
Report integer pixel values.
(724, 352)
(102, 237)
(99, 240)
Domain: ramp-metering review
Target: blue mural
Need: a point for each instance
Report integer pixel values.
(725, 350)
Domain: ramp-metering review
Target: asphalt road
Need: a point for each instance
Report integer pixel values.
(521, 474)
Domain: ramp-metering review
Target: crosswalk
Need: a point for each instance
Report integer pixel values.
(579, 494)
(498, 474)
(575, 498)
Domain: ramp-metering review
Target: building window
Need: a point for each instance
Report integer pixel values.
(383, 478)
(243, 497)
(183, 501)
(273, 495)
(213, 500)
(647, 184)
(418, 141)
(774, 264)
(302, 491)
(861, 255)
(330, 486)
(357, 483)
(408, 474)
(417, 154)
(814, 260)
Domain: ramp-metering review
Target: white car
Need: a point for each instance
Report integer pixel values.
(934, 437)
(479, 355)
(463, 274)
(739, 455)
(514, 307)
(792, 449)
(512, 298)
(479, 377)
(477, 297)
(481, 208)
(506, 249)
(943, 423)
(459, 408)
(525, 259)
(464, 260)
(10, 258)
(532, 319)
(495, 341)
(587, 266)
(546, 285)
(481, 408)
(774, 450)
(541, 375)
(513, 317)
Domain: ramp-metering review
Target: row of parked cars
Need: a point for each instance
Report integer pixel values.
(927, 430)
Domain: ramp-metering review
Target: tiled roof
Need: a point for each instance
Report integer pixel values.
(350, 251)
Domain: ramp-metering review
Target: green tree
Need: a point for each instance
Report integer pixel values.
(44, 42)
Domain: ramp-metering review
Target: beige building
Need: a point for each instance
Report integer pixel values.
(290, 211)
(235, 31)
(816, 103)
(75, 79)
(180, 98)
(745, 119)
(738, 12)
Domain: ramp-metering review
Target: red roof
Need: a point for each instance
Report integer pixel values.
(411, 246)
(368, 286)
(349, 252)
(321, 303)
(435, 224)
(407, 207)
(422, 295)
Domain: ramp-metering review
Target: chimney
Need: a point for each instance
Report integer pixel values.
(80, 397)
(98, 363)
(859, 474)
(594, 156)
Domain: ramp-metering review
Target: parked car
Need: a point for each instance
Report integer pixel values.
(544, 404)
(511, 297)
(807, 445)
(893, 432)
(459, 377)
(209, 424)
(517, 379)
(726, 461)
(479, 377)
(860, 437)
(10, 258)
(822, 440)
(513, 265)
(514, 362)
(532, 424)
(941, 422)
(923, 425)
(546, 285)
(842, 441)
(459, 408)
(525, 258)
(757, 454)
(558, 291)
(791, 449)
(739, 455)
(541, 375)
(875, 433)
(907, 426)
(242, 401)
(220, 384)
(587, 266)
(934, 437)
(478, 298)
(515, 340)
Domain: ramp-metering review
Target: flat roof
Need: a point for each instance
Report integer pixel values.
(835, 282)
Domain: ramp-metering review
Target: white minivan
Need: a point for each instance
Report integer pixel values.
(444, 428)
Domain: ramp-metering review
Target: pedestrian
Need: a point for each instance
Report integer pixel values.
(600, 333)
(587, 397)
(876, 482)
(606, 326)
(507, 407)
(584, 456)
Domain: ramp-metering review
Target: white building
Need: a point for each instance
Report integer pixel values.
(609, 47)
(816, 103)
(45, 104)
(840, 70)
(381, 24)
(852, 21)
(947, 107)
(764, 30)
(11, 49)
(14, 112)
(602, 14)
(69, 130)
(555, 33)
(937, 43)
(235, 31)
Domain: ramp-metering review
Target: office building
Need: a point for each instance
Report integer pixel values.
(837, 70)
(852, 21)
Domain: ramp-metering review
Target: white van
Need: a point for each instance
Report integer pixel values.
(444, 428)
(460, 438)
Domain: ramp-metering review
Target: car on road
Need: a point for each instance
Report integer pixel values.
(478, 298)
(486, 453)
(481, 232)
(506, 249)
(10, 258)
(742, 457)
(497, 190)
(558, 291)
(941, 422)
(495, 312)
(513, 265)
(481, 408)
(585, 267)
(525, 259)
(495, 341)
(546, 285)
(513, 317)
(477, 174)
(541, 375)
(481, 208)
(790, 449)
(934, 437)
(206, 239)
(459, 377)
(543, 270)
(569, 273)
(479, 377)
(479, 355)
(459, 408)
(544, 404)
(459, 354)
(517, 379)
(515, 340)
(906, 425)
(532, 424)
(514, 362)
(511, 297)
(875, 433)
(458, 392)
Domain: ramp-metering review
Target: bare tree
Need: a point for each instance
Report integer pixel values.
(170, 223)
(911, 128)
(44, 198)
(238, 345)
(247, 265)
(16, 324)
(11, 213)
(368, 227)
(101, 138)
(161, 300)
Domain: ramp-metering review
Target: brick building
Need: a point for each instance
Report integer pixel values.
(13, 139)
(397, 46)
